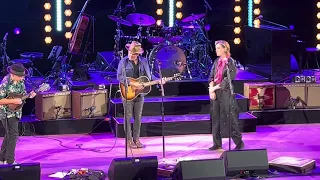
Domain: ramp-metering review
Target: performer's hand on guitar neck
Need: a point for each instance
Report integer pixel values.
(163, 80)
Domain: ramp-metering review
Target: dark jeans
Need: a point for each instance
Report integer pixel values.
(222, 110)
(134, 110)
(9, 142)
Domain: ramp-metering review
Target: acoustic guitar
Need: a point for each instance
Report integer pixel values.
(134, 92)
(16, 107)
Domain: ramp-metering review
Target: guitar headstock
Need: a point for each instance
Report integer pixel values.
(44, 87)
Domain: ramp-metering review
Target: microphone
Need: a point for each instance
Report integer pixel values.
(259, 17)
(5, 37)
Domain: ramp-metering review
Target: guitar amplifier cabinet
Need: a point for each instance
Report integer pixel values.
(53, 105)
(313, 91)
(89, 103)
(261, 95)
(286, 91)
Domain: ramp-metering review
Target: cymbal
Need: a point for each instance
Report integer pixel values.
(141, 19)
(193, 17)
(120, 20)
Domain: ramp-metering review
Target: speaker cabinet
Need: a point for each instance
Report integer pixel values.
(89, 103)
(26, 171)
(207, 169)
(246, 161)
(139, 168)
(53, 105)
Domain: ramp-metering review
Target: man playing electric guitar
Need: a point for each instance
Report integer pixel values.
(134, 66)
(12, 83)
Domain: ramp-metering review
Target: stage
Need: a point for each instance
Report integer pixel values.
(59, 153)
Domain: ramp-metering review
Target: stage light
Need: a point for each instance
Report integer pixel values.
(256, 23)
(237, 19)
(318, 36)
(318, 15)
(179, 4)
(256, 12)
(171, 13)
(237, 0)
(179, 15)
(68, 35)
(68, 24)
(236, 41)
(47, 17)
(159, 1)
(237, 30)
(237, 9)
(59, 14)
(67, 12)
(256, 1)
(47, 28)
(318, 26)
(47, 40)
(16, 31)
(159, 22)
(250, 18)
(47, 6)
(159, 12)
(67, 2)
(318, 46)
(318, 4)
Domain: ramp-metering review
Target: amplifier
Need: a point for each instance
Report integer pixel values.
(53, 105)
(89, 103)
(313, 91)
(293, 164)
(287, 91)
(261, 95)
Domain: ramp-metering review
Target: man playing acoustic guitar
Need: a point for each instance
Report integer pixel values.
(134, 66)
(12, 83)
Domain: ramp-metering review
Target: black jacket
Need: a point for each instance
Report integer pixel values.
(233, 72)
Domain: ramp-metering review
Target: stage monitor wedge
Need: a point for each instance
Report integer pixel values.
(25, 171)
(251, 161)
(134, 168)
(206, 169)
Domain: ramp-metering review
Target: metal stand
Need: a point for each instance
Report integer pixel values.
(4, 57)
(162, 112)
(232, 103)
(126, 110)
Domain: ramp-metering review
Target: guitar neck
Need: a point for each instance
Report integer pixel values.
(157, 81)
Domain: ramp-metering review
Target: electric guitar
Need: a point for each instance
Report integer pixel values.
(15, 107)
(134, 92)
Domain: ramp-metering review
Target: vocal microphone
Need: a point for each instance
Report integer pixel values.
(259, 17)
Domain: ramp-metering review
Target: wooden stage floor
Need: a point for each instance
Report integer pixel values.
(61, 152)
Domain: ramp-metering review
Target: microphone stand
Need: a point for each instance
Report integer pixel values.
(273, 23)
(162, 111)
(126, 107)
(231, 102)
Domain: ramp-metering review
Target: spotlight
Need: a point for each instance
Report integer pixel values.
(16, 31)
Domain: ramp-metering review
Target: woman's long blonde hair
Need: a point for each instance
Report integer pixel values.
(225, 45)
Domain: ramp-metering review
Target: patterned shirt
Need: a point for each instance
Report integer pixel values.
(8, 86)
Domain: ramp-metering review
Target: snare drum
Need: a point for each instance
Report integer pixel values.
(171, 59)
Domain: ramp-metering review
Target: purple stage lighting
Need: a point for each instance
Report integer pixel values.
(16, 31)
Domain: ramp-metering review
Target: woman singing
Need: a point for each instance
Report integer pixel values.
(220, 96)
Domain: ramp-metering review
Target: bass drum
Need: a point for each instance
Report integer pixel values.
(170, 59)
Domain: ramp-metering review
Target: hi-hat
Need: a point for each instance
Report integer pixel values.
(120, 20)
(193, 17)
(141, 19)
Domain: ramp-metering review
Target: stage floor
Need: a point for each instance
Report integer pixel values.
(60, 153)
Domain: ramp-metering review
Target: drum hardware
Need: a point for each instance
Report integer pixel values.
(4, 57)
(31, 56)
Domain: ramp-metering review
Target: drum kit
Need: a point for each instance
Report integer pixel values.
(182, 48)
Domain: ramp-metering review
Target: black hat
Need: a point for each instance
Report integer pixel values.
(17, 69)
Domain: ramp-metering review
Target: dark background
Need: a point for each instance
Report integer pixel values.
(28, 16)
